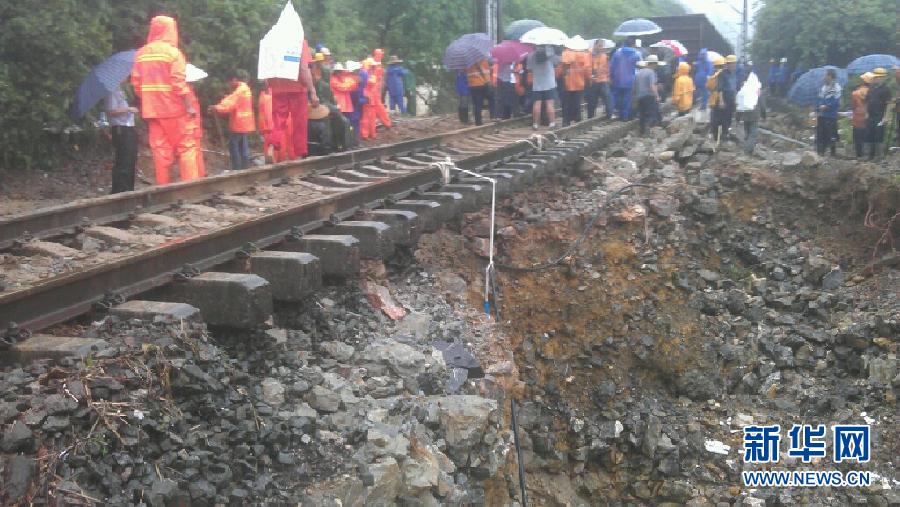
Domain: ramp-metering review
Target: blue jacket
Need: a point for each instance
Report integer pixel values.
(831, 99)
(622, 65)
(702, 69)
(462, 85)
(783, 73)
(358, 96)
(395, 80)
(774, 74)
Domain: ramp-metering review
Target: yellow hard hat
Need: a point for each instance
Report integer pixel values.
(867, 77)
(879, 72)
(719, 61)
(730, 59)
(319, 57)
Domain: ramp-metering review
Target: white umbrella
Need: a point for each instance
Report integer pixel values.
(545, 36)
(577, 43)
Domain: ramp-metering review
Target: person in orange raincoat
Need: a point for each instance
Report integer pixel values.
(195, 123)
(372, 94)
(683, 89)
(479, 78)
(264, 122)
(575, 70)
(238, 105)
(858, 120)
(377, 69)
(159, 83)
(343, 84)
(290, 106)
(599, 87)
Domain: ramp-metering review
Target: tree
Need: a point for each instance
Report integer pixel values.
(825, 32)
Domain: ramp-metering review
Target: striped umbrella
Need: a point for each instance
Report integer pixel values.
(676, 47)
(869, 63)
(806, 89)
(102, 80)
(467, 51)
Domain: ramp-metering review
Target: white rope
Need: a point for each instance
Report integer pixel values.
(445, 167)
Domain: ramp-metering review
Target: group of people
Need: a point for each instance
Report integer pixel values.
(869, 102)
(342, 102)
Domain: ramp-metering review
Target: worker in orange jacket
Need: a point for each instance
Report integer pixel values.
(377, 69)
(575, 70)
(238, 105)
(291, 99)
(372, 94)
(264, 122)
(158, 80)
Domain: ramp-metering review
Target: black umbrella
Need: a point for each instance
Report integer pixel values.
(520, 27)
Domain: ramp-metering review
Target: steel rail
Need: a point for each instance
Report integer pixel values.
(62, 219)
(62, 298)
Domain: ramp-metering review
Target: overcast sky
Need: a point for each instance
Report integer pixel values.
(720, 12)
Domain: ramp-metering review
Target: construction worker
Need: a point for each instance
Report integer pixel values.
(321, 73)
(683, 90)
(264, 122)
(377, 70)
(877, 100)
(859, 113)
(409, 88)
(158, 77)
(343, 85)
(372, 94)
(717, 110)
(238, 105)
(396, 92)
(478, 77)
(599, 87)
(290, 102)
(575, 70)
(727, 85)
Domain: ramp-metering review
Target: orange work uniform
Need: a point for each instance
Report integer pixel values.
(600, 68)
(372, 92)
(378, 69)
(239, 106)
(290, 110)
(195, 130)
(158, 80)
(342, 85)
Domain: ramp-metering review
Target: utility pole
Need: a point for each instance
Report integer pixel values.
(744, 30)
(487, 18)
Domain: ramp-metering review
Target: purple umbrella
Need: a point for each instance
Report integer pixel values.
(467, 51)
(511, 51)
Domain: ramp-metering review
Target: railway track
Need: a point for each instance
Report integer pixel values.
(99, 252)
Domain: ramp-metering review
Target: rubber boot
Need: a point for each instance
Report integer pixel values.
(463, 115)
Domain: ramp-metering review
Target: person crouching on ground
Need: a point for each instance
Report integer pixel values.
(241, 122)
(647, 92)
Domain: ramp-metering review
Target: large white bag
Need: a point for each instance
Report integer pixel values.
(749, 94)
(279, 50)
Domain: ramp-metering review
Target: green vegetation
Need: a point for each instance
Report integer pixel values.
(820, 32)
(46, 50)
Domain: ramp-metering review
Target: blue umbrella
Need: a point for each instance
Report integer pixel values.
(636, 27)
(869, 63)
(520, 27)
(467, 51)
(806, 89)
(102, 80)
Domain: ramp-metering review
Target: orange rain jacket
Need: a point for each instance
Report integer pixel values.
(158, 72)
(859, 107)
(683, 89)
(575, 69)
(600, 67)
(342, 85)
(239, 103)
(265, 111)
(479, 74)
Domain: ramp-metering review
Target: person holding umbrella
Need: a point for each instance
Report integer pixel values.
(478, 77)
(858, 120)
(599, 87)
(621, 71)
(120, 116)
(876, 110)
(826, 113)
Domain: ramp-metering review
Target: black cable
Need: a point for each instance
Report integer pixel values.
(579, 241)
